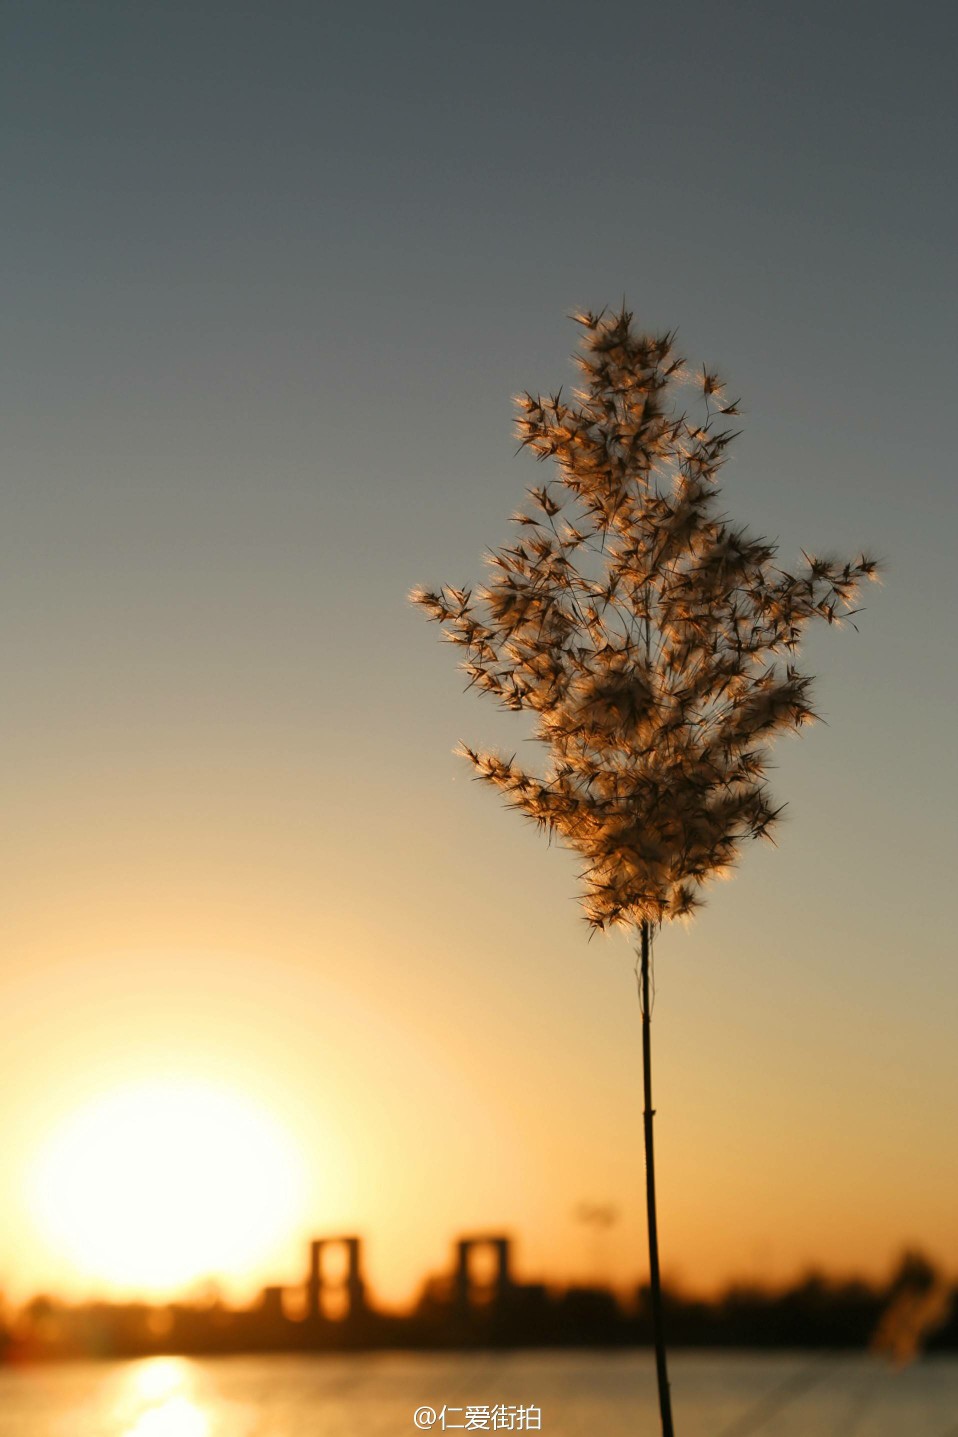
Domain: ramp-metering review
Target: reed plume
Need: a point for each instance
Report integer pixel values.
(652, 641)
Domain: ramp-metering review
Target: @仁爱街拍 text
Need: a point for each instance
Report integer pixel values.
(502, 1417)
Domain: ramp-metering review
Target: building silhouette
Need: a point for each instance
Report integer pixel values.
(463, 1308)
(317, 1284)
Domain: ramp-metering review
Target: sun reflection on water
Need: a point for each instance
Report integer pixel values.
(159, 1399)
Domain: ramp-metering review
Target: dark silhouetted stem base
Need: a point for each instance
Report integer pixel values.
(655, 1285)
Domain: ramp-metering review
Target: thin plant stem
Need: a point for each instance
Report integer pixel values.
(655, 1283)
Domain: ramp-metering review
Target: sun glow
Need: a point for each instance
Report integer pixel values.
(157, 1185)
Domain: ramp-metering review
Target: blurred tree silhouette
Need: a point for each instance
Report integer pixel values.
(652, 641)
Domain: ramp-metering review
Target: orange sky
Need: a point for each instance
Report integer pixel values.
(437, 1076)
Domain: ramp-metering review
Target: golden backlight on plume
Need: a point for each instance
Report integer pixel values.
(161, 1183)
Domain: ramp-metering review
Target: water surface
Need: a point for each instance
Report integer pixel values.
(579, 1394)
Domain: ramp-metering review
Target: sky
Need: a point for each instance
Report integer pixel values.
(272, 275)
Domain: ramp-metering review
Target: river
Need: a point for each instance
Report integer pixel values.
(569, 1394)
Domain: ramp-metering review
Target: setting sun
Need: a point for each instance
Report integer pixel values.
(164, 1183)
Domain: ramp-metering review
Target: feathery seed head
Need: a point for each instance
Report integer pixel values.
(651, 641)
